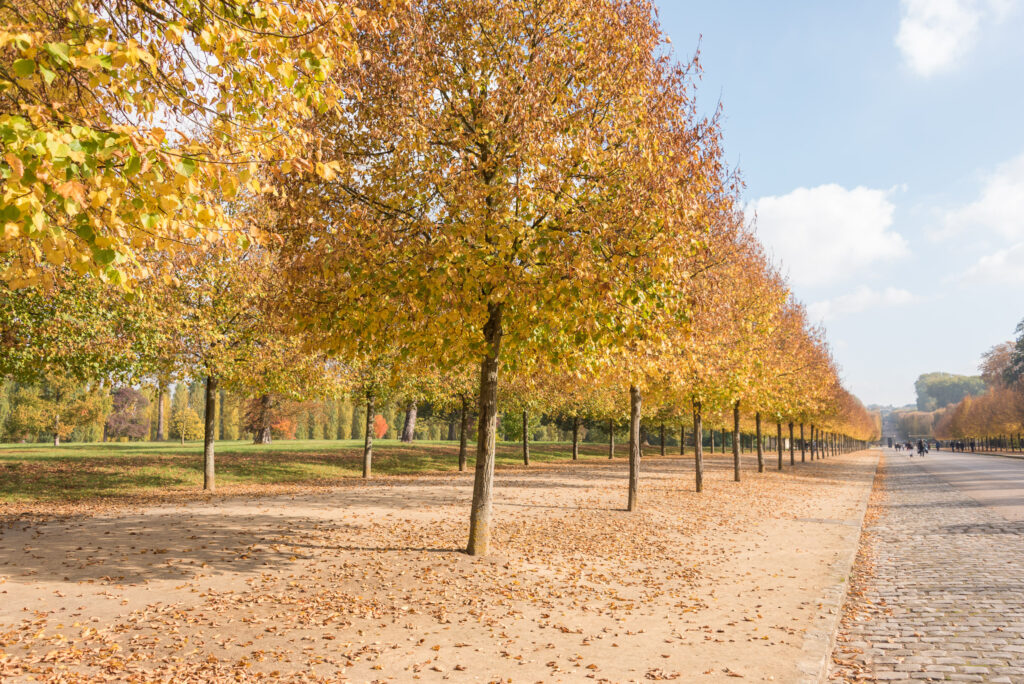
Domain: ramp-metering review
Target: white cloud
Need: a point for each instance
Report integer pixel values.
(861, 300)
(999, 209)
(934, 34)
(1005, 267)
(827, 234)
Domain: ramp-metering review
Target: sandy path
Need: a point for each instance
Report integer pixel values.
(365, 583)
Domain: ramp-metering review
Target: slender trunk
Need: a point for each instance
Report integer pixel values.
(712, 436)
(682, 440)
(575, 439)
(480, 516)
(409, 427)
(263, 434)
(736, 442)
(760, 446)
(634, 449)
(161, 418)
(463, 434)
(663, 440)
(698, 446)
(778, 441)
(208, 434)
(792, 457)
(526, 440)
(815, 438)
(368, 437)
(803, 445)
(453, 428)
(611, 439)
(220, 414)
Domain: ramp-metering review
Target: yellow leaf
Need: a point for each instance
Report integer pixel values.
(169, 203)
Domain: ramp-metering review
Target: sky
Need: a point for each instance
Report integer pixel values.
(882, 147)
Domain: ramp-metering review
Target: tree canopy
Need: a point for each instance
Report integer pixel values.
(936, 390)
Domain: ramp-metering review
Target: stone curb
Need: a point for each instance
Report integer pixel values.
(988, 453)
(816, 661)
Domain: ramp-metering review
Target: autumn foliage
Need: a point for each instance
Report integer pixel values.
(380, 426)
(490, 206)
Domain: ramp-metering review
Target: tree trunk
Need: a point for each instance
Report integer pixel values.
(698, 447)
(480, 516)
(792, 456)
(663, 440)
(220, 414)
(634, 448)
(368, 437)
(453, 428)
(682, 440)
(161, 418)
(56, 439)
(812, 442)
(803, 445)
(736, 442)
(712, 435)
(760, 445)
(778, 441)
(263, 435)
(409, 427)
(526, 440)
(575, 439)
(209, 437)
(463, 434)
(611, 439)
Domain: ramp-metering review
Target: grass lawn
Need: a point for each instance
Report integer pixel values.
(40, 473)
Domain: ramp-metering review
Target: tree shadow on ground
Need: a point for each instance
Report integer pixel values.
(134, 549)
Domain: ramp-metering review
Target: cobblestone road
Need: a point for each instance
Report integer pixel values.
(938, 592)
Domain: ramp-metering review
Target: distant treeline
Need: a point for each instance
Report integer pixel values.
(125, 413)
(938, 390)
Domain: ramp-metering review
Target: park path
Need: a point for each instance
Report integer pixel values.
(938, 591)
(365, 582)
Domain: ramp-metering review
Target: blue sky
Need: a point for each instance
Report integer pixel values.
(882, 144)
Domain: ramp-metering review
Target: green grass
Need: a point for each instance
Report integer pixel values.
(79, 472)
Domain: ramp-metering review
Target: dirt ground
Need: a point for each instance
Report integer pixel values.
(367, 582)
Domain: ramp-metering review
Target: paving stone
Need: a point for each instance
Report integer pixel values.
(945, 595)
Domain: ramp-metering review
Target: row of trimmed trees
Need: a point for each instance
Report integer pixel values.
(993, 420)
(493, 206)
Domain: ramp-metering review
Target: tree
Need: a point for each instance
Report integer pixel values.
(55, 407)
(185, 423)
(936, 390)
(1013, 374)
(514, 183)
(217, 317)
(64, 331)
(129, 417)
(126, 124)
